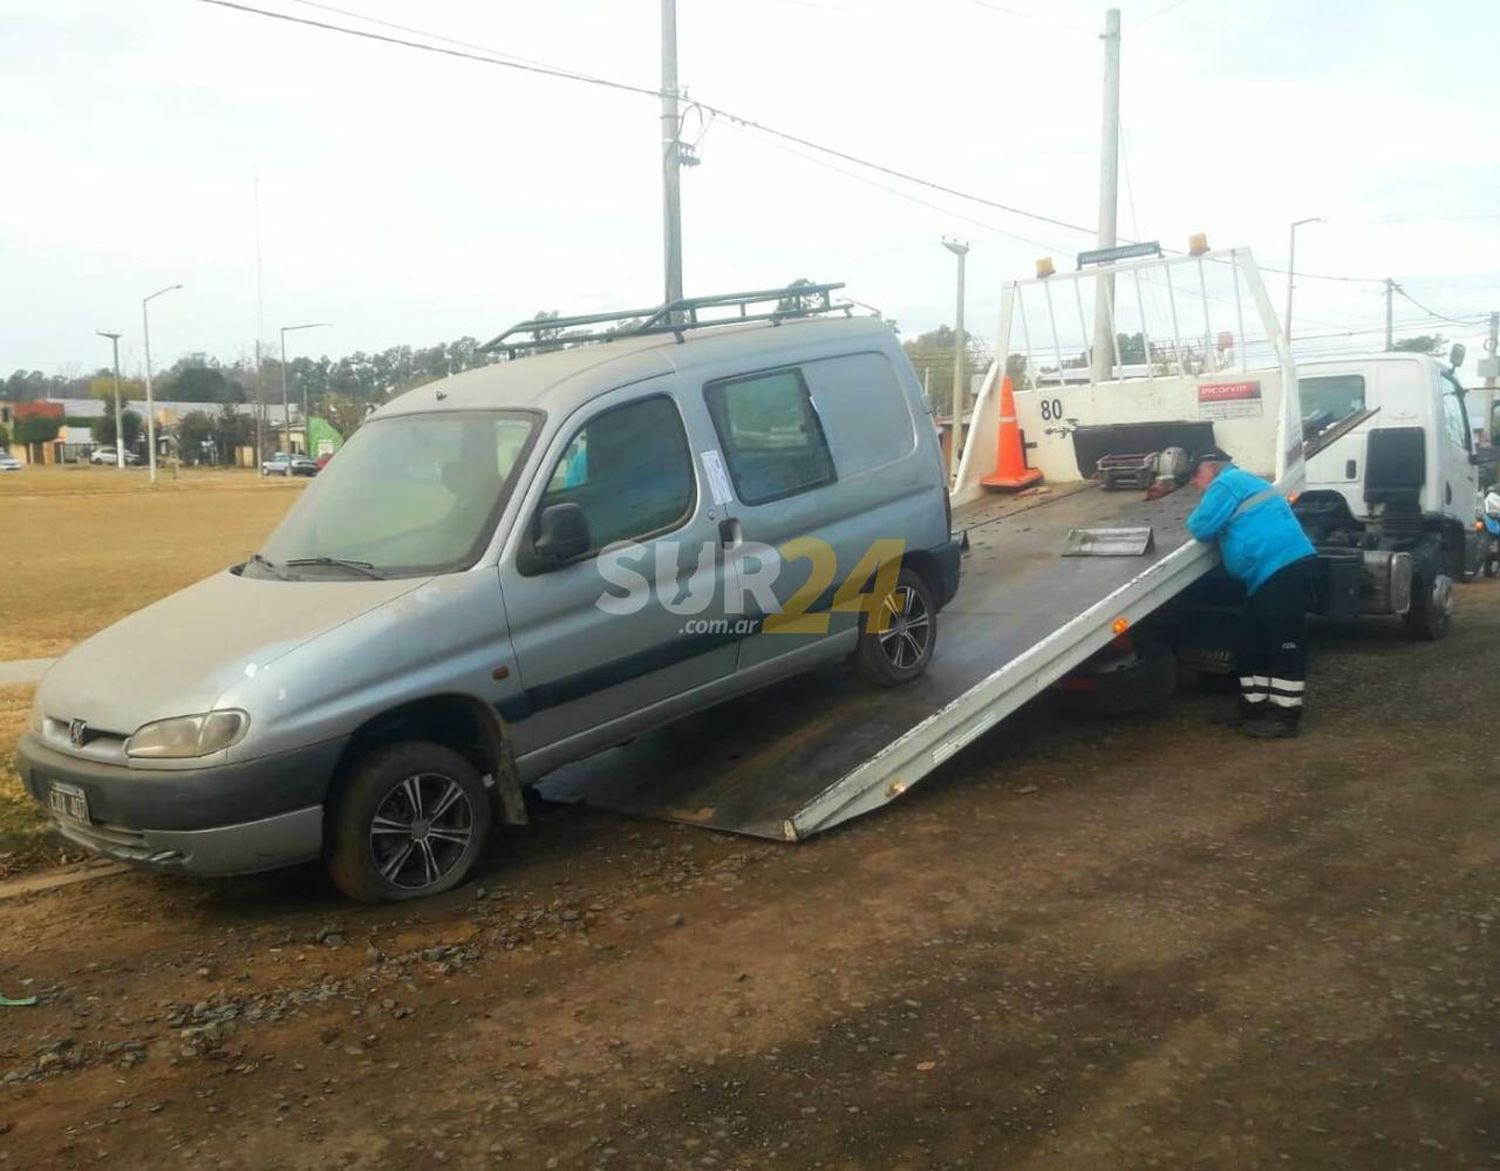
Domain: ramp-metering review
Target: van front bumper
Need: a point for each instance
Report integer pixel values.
(221, 820)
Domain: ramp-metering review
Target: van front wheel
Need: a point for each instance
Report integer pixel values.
(901, 650)
(409, 820)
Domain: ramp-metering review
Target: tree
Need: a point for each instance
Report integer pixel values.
(38, 429)
(199, 378)
(232, 430)
(931, 353)
(344, 414)
(103, 429)
(1427, 343)
(1131, 348)
(195, 437)
(4, 437)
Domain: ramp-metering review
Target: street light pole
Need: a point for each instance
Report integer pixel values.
(114, 339)
(1291, 271)
(285, 404)
(959, 249)
(150, 396)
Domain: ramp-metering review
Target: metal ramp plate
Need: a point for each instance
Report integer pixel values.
(1131, 542)
(771, 764)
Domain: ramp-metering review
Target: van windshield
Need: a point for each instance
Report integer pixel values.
(407, 495)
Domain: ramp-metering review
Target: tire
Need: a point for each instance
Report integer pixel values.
(903, 650)
(1431, 608)
(389, 862)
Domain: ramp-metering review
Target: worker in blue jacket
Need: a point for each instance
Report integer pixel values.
(1265, 549)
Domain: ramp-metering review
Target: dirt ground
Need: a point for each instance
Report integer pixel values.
(84, 546)
(1145, 943)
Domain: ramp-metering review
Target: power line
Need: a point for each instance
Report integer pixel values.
(490, 57)
(1424, 309)
(483, 55)
(1040, 19)
(405, 28)
(1162, 11)
(896, 191)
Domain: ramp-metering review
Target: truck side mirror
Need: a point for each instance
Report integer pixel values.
(1456, 355)
(563, 535)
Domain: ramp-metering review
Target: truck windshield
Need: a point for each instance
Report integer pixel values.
(407, 495)
(1328, 398)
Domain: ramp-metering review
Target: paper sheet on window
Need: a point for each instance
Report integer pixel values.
(718, 478)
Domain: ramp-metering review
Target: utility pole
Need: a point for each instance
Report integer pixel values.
(1390, 336)
(1109, 196)
(1488, 368)
(961, 250)
(114, 340)
(671, 155)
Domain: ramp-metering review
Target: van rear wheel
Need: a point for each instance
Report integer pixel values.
(408, 821)
(901, 651)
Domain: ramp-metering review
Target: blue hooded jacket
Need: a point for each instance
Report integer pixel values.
(1257, 541)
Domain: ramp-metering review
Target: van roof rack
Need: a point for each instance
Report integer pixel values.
(677, 317)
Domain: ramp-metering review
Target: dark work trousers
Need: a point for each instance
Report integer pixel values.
(1271, 643)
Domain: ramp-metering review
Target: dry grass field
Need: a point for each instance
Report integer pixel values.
(81, 547)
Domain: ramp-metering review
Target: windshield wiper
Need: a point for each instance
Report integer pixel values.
(271, 565)
(363, 567)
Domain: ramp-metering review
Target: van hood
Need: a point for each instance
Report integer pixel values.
(179, 655)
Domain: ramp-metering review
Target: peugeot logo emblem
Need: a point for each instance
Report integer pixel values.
(76, 731)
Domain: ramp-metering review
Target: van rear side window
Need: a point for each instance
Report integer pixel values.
(772, 438)
(1329, 398)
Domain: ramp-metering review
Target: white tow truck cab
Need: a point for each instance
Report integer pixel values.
(1394, 485)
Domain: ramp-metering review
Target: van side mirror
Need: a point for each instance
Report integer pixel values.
(1485, 457)
(1456, 355)
(563, 535)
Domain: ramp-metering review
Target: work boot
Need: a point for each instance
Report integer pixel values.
(1272, 727)
(1244, 713)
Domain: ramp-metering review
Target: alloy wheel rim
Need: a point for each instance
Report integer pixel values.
(908, 629)
(421, 830)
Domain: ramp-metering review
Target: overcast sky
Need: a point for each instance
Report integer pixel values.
(410, 198)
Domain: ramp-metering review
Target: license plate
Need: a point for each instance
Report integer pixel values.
(66, 801)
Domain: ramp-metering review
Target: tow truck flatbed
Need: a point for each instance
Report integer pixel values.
(809, 753)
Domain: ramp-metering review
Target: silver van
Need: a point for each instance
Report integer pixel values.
(505, 571)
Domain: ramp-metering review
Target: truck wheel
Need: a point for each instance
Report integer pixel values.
(406, 822)
(902, 651)
(1431, 607)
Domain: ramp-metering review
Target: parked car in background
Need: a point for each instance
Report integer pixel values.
(289, 463)
(9, 463)
(108, 455)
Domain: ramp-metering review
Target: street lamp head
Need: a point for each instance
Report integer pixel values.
(111, 336)
(159, 292)
(957, 247)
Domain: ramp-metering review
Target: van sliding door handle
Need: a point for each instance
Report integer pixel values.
(730, 533)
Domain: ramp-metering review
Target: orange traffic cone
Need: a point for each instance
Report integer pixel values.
(1011, 472)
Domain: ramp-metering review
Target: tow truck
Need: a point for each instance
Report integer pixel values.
(1079, 575)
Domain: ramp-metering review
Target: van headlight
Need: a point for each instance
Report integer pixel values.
(187, 736)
